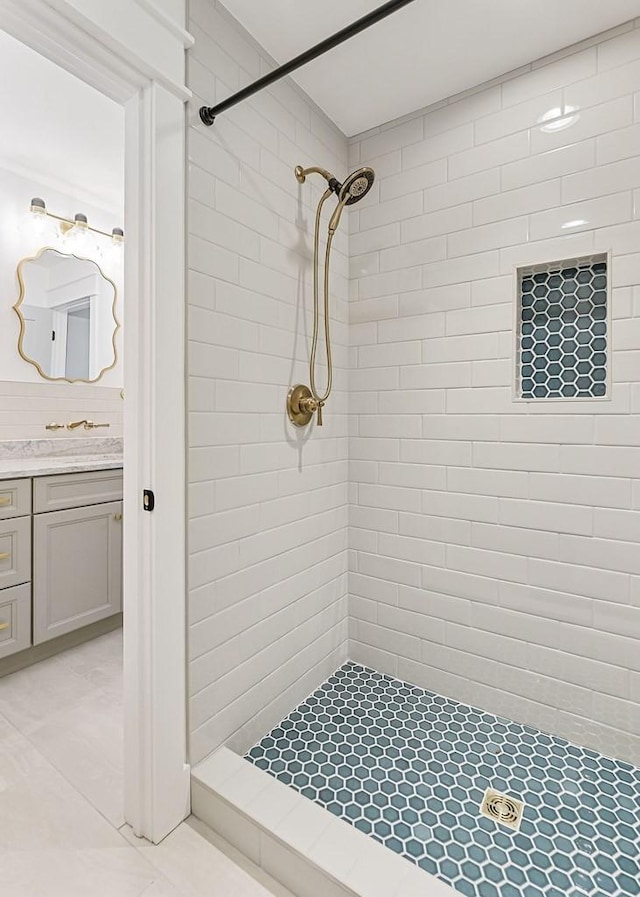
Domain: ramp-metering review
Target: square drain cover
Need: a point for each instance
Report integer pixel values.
(502, 808)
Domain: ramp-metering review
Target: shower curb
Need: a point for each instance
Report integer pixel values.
(299, 843)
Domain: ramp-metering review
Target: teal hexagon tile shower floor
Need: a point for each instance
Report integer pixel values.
(410, 768)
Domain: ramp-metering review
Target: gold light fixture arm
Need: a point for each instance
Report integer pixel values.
(39, 207)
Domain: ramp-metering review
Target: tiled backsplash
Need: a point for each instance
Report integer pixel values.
(495, 541)
(26, 409)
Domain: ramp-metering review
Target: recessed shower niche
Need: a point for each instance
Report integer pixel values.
(563, 329)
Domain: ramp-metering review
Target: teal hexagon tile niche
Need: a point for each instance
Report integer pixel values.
(410, 769)
(563, 329)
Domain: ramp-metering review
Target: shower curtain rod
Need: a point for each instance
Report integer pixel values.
(208, 113)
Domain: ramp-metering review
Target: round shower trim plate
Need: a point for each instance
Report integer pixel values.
(299, 416)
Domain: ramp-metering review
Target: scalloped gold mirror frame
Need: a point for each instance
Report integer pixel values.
(23, 322)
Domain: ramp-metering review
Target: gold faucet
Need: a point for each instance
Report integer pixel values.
(87, 424)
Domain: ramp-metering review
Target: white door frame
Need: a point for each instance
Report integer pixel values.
(132, 51)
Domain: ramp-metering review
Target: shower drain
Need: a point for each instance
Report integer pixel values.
(502, 808)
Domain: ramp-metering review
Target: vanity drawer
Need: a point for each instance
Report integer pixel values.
(76, 490)
(15, 498)
(15, 552)
(15, 619)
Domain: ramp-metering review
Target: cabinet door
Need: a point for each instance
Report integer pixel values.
(77, 568)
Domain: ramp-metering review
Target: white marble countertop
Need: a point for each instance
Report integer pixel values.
(16, 468)
(43, 457)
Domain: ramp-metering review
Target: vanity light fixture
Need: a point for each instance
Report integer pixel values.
(39, 215)
(38, 207)
(78, 236)
(79, 223)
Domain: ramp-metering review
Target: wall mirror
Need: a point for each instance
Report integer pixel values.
(67, 311)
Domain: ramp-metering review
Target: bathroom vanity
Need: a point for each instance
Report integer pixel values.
(60, 547)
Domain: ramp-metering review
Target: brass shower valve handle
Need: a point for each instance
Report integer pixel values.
(302, 405)
(311, 405)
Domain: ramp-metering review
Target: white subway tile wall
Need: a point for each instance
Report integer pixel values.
(494, 543)
(28, 407)
(267, 505)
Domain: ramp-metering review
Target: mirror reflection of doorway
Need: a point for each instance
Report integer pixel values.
(78, 340)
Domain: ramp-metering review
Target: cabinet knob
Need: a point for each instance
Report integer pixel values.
(117, 516)
(4, 626)
(5, 499)
(4, 555)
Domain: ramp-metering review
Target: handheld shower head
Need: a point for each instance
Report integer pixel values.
(354, 188)
(357, 185)
(303, 401)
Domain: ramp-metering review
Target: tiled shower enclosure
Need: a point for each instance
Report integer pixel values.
(465, 522)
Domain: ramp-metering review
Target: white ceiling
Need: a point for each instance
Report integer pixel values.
(57, 129)
(423, 53)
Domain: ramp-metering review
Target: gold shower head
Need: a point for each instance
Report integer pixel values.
(351, 190)
(355, 187)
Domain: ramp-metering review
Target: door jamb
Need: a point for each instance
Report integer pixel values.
(156, 768)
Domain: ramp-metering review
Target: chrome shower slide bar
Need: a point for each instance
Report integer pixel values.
(208, 113)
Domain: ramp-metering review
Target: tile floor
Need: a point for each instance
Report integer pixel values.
(61, 828)
(410, 768)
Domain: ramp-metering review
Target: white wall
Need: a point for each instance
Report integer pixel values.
(29, 411)
(26, 408)
(495, 543)
(267, 504)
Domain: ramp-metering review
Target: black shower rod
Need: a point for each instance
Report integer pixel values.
(208, 113)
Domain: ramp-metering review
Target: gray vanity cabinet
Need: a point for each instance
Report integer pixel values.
(15, 566)
(77, 552)
(60, 555)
